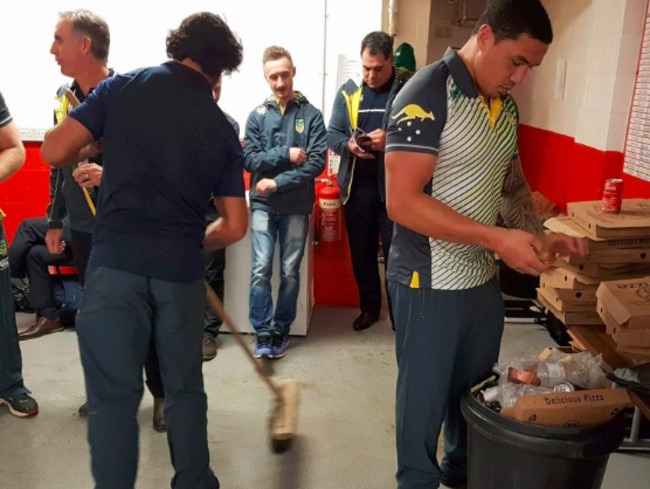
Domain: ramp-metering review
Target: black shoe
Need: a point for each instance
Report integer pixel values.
(364, 321)
(83, 410)
(209, 348)
(159, 422)
(455, 483)
(21, 406)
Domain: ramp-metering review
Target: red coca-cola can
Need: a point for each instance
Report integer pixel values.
(612, 195)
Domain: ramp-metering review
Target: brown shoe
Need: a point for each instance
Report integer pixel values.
(40, 328)
(209, 347)
(364, 321)
(83, 410)
(159, 423)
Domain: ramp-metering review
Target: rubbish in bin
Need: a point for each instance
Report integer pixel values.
(580, 369)
(566, 409)
(556, 391)
(507, 394)
(564, 387)
(508, 454)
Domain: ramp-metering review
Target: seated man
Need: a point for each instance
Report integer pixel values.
(29, 258)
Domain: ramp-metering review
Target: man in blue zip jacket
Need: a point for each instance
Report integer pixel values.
(284, 149)
(362, 105)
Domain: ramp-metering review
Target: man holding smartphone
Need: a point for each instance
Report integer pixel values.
(356, 132)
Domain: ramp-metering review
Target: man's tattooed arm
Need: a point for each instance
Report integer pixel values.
(517, 209)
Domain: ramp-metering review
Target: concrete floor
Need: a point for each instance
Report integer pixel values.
(346, 427)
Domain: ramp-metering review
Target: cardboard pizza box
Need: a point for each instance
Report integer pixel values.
(632, 222)
(627, 302)
(570, 318)
(563, 305)
(586, 294)
(566, 225)
(570, 409)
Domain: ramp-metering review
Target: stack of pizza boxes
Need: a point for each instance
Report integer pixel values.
(596, 289)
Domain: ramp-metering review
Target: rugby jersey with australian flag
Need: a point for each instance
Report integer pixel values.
(440, 112)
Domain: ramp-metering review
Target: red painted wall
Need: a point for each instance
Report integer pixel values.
(566, 171)
(555, 165)
(27, 193)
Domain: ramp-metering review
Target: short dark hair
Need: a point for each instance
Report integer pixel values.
(378, 42)
(511, 18)
(276, 52)
(92, 25)
(206, 39)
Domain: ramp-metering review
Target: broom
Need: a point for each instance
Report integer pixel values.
(285, 410)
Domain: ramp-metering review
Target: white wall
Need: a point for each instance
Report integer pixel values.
(445, 15)
(600, 41)
(29, 76)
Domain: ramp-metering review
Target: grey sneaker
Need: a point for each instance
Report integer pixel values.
(21, 406)
(279, 344)
(209, 348)
(263, 346)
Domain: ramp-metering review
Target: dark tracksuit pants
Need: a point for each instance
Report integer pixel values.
(81, 244)
(11, 363)
(214, 270)
(28, 257)
(215, 266)
(121, 313)
(366, 220)
(444, 340)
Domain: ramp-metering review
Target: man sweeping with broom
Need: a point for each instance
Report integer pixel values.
(167, 148)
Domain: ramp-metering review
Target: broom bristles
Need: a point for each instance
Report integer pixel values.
(284, 420)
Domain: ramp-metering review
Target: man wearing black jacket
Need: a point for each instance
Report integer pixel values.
(362, 104)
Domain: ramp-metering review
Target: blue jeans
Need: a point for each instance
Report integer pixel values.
(290, 230)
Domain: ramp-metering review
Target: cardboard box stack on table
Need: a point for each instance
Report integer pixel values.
(624, 307)
(619, 250)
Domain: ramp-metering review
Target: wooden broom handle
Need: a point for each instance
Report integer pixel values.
(215, 303)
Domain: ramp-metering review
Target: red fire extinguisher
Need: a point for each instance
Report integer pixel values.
(330, 211)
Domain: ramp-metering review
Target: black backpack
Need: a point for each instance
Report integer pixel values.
(20, 292)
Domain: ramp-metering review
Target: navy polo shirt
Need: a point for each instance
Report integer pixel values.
(167, 147)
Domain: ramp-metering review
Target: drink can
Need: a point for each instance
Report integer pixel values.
(522, 377)
(563, 387)
(612, 195)
(491, 394)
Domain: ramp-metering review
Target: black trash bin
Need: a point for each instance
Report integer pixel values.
(507, 454)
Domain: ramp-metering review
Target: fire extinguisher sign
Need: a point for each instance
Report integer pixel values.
(330, 220)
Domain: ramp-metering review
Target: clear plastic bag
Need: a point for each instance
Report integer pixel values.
(580, 369)
(506, 394)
